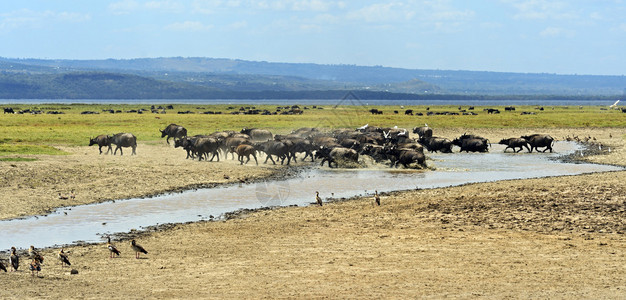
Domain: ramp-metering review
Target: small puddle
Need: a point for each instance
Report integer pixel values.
(87, 223)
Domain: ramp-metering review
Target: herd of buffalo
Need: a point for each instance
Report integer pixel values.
(342, 147)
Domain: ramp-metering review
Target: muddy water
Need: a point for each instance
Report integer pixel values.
(89, 222)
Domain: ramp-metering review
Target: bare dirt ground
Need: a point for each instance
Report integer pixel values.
(560, 237)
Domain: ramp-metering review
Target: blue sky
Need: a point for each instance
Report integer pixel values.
(565, 37)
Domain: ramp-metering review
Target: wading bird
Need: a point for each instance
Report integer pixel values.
(137, 248)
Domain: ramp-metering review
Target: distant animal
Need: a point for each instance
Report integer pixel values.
(376, 198)
(137, 248)
(509, 108)
(63, 258)
(317, 198)
(102, 140)
(9, 110)
(515, 143)
(257, 134)
(14, 259)
(124, 140)
(173, 131)
(408, 112)
(539, 140)
(63, 197)
(112, 248)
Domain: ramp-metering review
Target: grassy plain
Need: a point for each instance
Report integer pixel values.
(39, 133)
(559, 237)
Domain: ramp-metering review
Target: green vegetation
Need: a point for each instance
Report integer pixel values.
(17, 159)
(40, 133)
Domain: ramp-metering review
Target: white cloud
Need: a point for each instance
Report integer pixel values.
(551, 32)
(168, 6)
(123, 7)
(38, 19)
(188, 26)
(542, 10)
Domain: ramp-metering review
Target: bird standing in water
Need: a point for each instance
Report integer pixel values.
(14, 259)
(63, 258)
(137, 248)
(317, 198)
(377, 198)
(112, 248)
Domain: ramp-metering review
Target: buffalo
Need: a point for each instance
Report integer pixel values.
(102, 141)
(9, 110)
(124, 140)
(515, 143)
(434, 144)
(472, 144)
(336, 155)
(173, 131)
(205, 146)
(423, 132)
(245, 150)
(539, 140)
(280, 149)
(406, 157)
(259, 135)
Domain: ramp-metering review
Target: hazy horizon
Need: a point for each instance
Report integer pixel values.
(581, 37)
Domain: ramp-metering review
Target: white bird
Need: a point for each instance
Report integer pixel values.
(363, 127)
(614, 104)
(425, 125)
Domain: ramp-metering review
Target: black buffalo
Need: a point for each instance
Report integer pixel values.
(434, 144)
(102, 140)
(204, 146)
(124, 140)
(423, 132)
(9, 110)
(406, 157)
(173, 131)
(472, 144)
(337, 155)
(280, 149)
(515, 143)
(539, 140)
(256, 134)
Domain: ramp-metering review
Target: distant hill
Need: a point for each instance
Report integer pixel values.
(196, 76)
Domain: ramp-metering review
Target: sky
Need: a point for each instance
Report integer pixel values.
(528, 36)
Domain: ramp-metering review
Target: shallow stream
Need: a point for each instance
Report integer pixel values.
(88, 223)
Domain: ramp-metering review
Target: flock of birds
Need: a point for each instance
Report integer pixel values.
(37, 259)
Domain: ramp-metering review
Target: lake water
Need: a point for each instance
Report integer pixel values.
(315, 102)
(89, 222)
